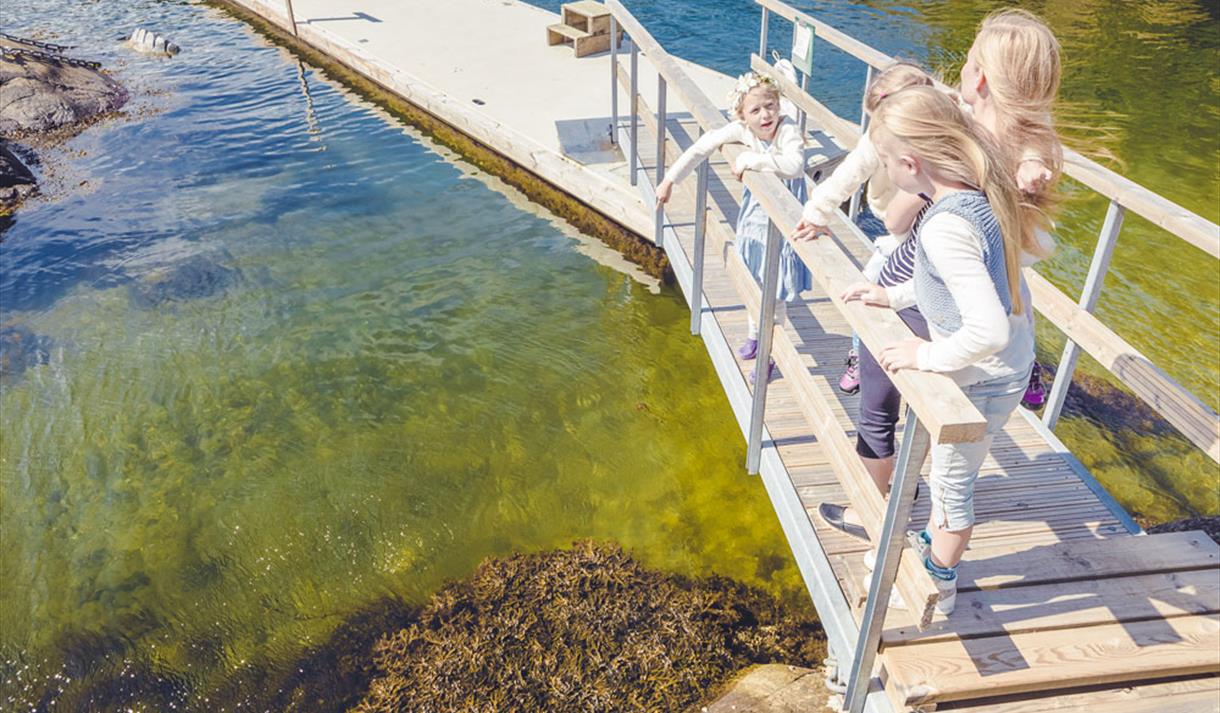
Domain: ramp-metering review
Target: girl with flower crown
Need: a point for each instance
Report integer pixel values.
(774, 145)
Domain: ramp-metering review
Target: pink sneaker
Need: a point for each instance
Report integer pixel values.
(849, 383)
(1035, 393)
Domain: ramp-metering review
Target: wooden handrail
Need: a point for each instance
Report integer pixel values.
(1161, 211)
(1182, 409)
(939, 403)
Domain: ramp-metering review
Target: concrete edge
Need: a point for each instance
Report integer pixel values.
(586, 199)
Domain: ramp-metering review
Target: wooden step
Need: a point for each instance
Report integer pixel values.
(584, 43)
(1182, 695)
(560, 33)
(992, 567)
(1066, 605)
(592, 17)
(1000, 665)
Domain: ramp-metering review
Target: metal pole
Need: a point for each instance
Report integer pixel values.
(762, 34)
(766, 331)
(292, 20)
(613, 80)
(854, 208)
(696, 301)
(659, 226)
(1088, 300)
(633, 161)
(805, 89)
(911, 454)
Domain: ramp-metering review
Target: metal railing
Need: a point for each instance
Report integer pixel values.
(1198, 422)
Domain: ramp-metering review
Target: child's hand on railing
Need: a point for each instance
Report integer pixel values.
(868, 293)
(805, 230)
(664, 190)
(903, 355)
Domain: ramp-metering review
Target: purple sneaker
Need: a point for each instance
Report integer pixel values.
(849, 383)
(749, 350)
(770, 372)
(1035, 393)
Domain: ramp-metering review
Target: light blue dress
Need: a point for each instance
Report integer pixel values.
(752, 224)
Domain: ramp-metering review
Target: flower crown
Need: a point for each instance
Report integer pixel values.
(745, 83)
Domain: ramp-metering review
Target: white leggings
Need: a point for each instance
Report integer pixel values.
(781, 318)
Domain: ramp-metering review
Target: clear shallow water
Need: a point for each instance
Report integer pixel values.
(379, 367)
(376, 368)
(1140, 93)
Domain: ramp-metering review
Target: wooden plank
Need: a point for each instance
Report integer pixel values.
(1194, 419)
(1070, 605)
(997, 566)
(1189, 695)
(998, 665)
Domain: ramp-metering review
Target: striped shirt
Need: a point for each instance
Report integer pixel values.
(900, 265)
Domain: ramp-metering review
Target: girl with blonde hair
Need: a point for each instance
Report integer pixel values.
(773, 145)
(967, 285)
(1009, 84)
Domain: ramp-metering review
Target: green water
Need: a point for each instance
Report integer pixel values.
(408, 369)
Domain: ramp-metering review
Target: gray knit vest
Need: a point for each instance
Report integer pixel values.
(933, 297)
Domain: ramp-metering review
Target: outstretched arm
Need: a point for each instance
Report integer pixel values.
(787, 161)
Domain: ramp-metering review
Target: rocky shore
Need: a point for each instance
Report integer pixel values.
(45, 96)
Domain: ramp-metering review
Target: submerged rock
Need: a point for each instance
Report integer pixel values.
(194, 277)
(586, 629)
(20, 349)
(17, 182)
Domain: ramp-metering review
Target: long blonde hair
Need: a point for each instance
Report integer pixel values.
(954, 149)
(1019, 56)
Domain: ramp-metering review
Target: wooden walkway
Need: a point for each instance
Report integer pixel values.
(1055, 593)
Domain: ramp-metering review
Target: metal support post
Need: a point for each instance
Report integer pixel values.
(803, 116)
(292, 18)
(911, 454)
(762, 34)
(854, 208)
(613, 80)
(634, 161)
(696, 299)
(659, 227)
(766, 332)
(1088, 300)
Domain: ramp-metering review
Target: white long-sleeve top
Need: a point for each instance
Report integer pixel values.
(990, 343)
(785, 156)
(861, 164)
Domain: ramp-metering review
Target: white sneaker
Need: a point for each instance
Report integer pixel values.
(913, 540)
(948, 595)
(896, 601)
